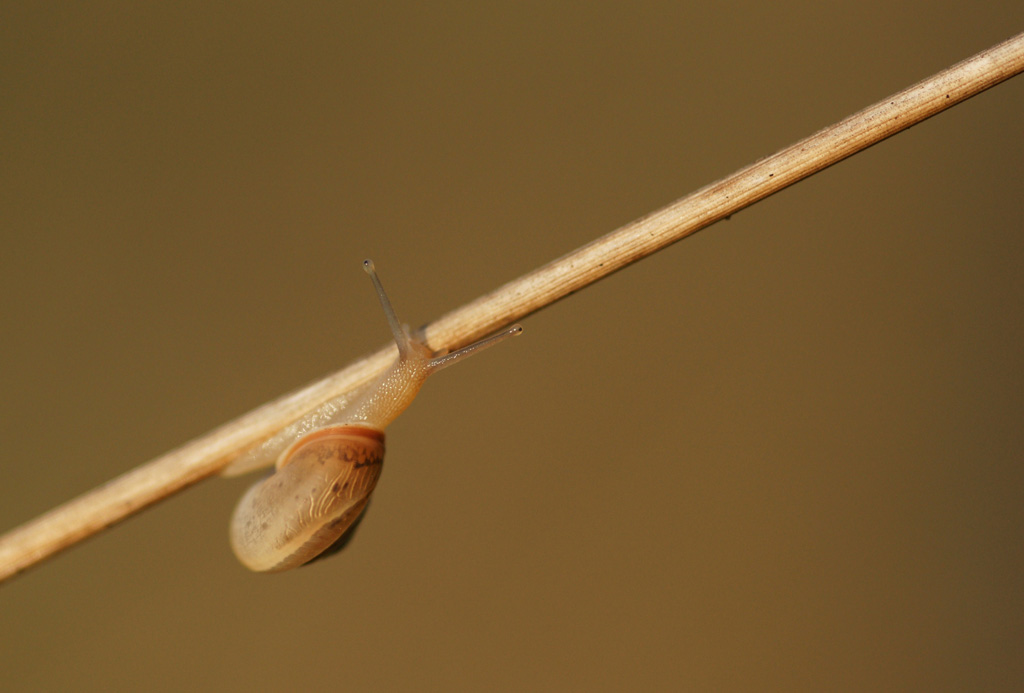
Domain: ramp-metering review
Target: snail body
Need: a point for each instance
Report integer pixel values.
(323, 478)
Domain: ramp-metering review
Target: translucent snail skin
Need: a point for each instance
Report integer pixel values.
(328, 463)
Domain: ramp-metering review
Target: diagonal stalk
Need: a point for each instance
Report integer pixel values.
(92, 512)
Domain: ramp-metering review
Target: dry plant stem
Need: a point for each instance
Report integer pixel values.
(102, 507)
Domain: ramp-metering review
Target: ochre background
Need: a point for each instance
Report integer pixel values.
(785, 454)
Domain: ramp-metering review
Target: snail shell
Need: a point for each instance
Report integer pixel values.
(321, 487)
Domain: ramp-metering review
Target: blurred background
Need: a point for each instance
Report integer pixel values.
(785, 454)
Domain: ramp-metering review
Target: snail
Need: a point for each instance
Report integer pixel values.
(328, 463)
